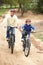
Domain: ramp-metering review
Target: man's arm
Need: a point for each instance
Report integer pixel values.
(16, 21)
(16, 18)
(4, 20)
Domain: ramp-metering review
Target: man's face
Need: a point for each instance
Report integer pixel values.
(12, 13)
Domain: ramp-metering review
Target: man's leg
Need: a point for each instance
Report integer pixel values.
(13, 30)
(7, 32)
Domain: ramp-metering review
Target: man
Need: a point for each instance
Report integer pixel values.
(11, 21)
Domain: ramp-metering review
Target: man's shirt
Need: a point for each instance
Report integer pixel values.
(11, 21)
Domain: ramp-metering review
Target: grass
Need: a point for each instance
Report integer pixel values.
(39, 27)
(39, 36)
(3, 10)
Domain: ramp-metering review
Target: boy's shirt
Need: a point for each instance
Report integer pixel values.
(28, 28)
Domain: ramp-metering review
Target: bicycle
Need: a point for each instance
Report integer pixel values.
(11, 39)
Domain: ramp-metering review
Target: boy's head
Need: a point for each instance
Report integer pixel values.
(28, 21)
(12, 12)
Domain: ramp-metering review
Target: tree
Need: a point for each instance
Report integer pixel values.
(23, 5)
(10, 2)
(40, 6)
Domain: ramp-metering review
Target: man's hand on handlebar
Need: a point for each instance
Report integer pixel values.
(4, 26)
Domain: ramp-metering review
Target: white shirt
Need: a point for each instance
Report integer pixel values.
(10, 21)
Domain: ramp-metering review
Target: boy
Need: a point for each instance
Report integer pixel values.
(26, 29)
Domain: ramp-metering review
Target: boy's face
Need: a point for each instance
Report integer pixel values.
(28, 23)
(12, 13)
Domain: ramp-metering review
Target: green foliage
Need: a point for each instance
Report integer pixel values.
(2, 11)
(25, 5)
(37, 6)
(40, 6)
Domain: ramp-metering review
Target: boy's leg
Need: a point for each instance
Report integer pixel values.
(23, 35)
(22, 39)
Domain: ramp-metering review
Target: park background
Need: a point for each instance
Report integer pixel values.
(31, 9)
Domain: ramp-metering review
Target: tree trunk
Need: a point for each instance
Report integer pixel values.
(22, 10)
(19, 10)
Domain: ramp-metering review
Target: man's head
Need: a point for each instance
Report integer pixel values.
(28, 21)
(12, 12)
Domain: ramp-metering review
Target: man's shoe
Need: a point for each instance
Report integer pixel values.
(8, 39)
(22, 40)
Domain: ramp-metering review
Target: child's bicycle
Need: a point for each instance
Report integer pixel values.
(26, 44)
(11, 39)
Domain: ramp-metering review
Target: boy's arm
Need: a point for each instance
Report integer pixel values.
(33, 28)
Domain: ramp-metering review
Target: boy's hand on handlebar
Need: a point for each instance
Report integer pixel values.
(34, 31)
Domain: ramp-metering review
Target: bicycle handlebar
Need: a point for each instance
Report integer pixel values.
(36, 31)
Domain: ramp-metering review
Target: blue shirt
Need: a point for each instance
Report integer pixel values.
(28, 28)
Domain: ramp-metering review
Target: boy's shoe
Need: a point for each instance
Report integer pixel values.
(22, 39)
